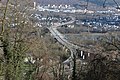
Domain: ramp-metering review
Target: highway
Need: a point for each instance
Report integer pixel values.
(61, 38)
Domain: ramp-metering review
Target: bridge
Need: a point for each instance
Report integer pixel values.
(74, 49)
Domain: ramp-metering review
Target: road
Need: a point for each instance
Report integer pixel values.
(61, 38)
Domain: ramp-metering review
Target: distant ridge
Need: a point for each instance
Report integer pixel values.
(101, 2)
(57, 2)
(71, 2)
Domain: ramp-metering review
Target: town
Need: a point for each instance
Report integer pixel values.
(102, 21)
(59, 40)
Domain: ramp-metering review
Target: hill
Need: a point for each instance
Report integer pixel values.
(72, 2)
(57, 2)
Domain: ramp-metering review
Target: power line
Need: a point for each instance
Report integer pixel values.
(116, 3)
(104, 4)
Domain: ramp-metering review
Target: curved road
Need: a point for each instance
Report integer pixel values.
(61, 38)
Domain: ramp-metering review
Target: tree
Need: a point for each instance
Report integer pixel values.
(13, 38)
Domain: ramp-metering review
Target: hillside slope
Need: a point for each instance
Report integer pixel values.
(71, 2)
